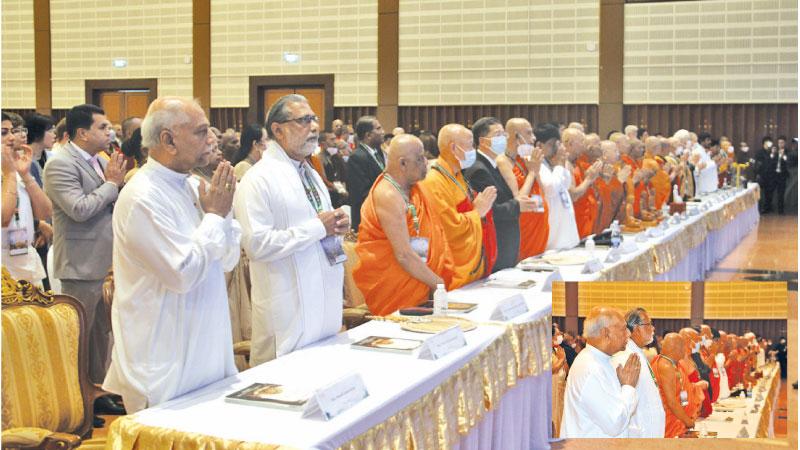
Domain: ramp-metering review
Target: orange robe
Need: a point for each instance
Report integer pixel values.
(635, 165)
(673, 427)
(611, 203)
(639, 195)
(533, 227)
(461, 223)
(384, 283)
(661, 184)
(586, 206)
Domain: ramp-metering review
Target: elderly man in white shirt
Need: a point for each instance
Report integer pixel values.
(648, 420)
(291, 234)
(600, 400)
(174, 237)
(556, 180)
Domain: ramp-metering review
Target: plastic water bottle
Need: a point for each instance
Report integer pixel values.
(590, 246)
(440, 301)
(616, 234)
(676, 196)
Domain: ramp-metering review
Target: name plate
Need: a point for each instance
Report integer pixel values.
(442, 343)
(335, 398)
(548, 282)
(592, 266)
(613, 255)
(509, 308)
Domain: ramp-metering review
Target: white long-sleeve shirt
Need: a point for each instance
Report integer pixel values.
(297, 294)
(706, 180)
(172, 331)
(561, 214)
(648, 420)
(595, 404)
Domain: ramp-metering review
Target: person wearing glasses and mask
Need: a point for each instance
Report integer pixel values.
(292, 235)
(519, 166)
(556, 180)
(491, 139)
(649, 418)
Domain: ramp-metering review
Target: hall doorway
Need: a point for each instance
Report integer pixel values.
(265, 91)
(121, 99)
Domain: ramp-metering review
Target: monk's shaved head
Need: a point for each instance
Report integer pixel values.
(516, 125)
(610, 152)
(406, 158)
(673, 346)
(653, 145)
(454, 133)
(576, 125)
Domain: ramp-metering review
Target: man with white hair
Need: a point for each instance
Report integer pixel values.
(649, 418)
(600, 400)
(631, 132)
(174, 237)
(291, 234)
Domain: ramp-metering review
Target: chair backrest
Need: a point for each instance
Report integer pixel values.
(353, 298)
(45, 363)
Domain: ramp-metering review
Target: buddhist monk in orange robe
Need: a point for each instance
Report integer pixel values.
(465, 217)
(519, 167)
(671, 381)
(611, 192)
(584, 157)
(402, 250)
(661, 183)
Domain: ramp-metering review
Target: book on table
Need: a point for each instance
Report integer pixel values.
(270, 395)
(387, 344)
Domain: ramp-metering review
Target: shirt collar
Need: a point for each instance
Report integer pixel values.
(491, 160)
(165, 172)
(633, 347)
(81, 151)
(597, 352)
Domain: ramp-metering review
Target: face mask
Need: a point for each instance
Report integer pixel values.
(525, 150)
(113, 135)
(745, 149)
(719, 359)
(345, 158)
(333, 150)
(783, 342)
(469, 159)
(499, 144)
(350, 139)
(706, 343)
(696, 348)
(559, 340)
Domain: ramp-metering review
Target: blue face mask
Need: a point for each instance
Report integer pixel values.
(499, 144)
(469, 159)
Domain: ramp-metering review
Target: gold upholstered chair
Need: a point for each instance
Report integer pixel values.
(47, 396)
(355, 308)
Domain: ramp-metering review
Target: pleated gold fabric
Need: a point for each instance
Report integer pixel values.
(661, 258)
(40, 368)
(437, 420)
(767, 410)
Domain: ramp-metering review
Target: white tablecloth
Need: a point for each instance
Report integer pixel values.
(394, 381)
(698, 261)
(716, 421)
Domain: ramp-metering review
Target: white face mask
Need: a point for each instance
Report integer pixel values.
(745, 149)
(499, 144)
(332, 150)
(696, 348)
(719, 358)
(706, 343)
(559, 340)
(525, 150)
(469, 159)
(346, 157)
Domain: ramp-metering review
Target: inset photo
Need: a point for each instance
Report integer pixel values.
(670, 360)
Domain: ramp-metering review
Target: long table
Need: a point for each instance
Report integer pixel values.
(747, 417)
(494, 393)
(686, 251)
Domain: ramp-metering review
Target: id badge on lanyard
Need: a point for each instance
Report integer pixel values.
(684, 398)
(564, 196)
(420, 246)
(18, 239)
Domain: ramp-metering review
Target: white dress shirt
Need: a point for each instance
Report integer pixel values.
(706, 180)
(172, 329)
(595, 404)
(561, 215)
(648, 420)
(297, 295)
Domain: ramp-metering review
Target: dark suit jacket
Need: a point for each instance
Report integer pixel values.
(362, 170)
(506, 210)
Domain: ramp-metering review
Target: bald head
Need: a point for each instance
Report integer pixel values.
(631, 131)
(653, 145)
(673, 346)
(517, 125)
(576, 125)
(572, 138)
(454, 140)
(591, 144)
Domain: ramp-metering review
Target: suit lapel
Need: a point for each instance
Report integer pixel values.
(370, 157)
(83, 164)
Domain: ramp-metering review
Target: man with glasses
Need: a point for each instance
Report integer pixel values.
(556, 180)
(365, 164)
(648, 419)
(490, 138)
(292, 235)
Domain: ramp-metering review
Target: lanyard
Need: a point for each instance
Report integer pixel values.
(311, 190)
(521, 167)
(374, 156)
(409, 206)
(466, 190)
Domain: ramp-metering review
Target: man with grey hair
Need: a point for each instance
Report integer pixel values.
(631, 132)
(648, 419)
(600, 401)
(174, 236)
(292, 235)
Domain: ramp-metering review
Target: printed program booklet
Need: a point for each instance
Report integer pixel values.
(270, 395)
(387, 344)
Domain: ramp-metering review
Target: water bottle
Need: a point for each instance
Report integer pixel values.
(616, 235)
(676, 196)
(749, 393)
(440, 301)
(590, 246)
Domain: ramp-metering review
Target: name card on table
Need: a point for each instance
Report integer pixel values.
(593, 265)
(442, 343)
(335, 398)
(613, 255)
(509, 308)
(548, 282)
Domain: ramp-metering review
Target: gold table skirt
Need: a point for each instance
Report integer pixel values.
(457, 405)
(768, 409)
(661, 258)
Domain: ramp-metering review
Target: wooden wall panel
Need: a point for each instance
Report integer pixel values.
(350, 114)
(431, 118)
(224, 118)
(748, 122)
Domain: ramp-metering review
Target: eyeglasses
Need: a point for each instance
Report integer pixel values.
(20, 130)
(646, 324)
(304, 120)
(5, 131)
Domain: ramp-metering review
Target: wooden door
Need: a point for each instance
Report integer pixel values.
(315, 96)
(119, 105)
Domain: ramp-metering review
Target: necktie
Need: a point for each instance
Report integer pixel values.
(96, 166)
(381, 161)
